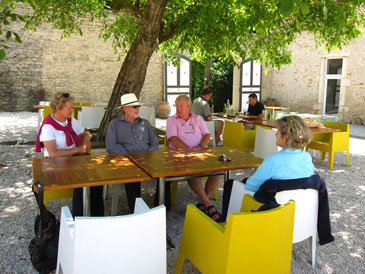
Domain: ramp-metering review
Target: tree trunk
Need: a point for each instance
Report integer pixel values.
(208, 76)
(133, 71)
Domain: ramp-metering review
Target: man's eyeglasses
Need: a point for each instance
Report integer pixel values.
(136, 106)
(65, 95)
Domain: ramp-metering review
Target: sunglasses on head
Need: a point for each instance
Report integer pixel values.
(65, 95)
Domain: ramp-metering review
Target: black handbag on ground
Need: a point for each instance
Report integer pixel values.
(43, 248)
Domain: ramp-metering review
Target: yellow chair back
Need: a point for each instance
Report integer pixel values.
(46, 111)
(75, 113)
(250, 242)
(235, 136)
(332, 142)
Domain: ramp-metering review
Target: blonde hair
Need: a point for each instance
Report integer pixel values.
(183, 97)
(297, 132)
(59, 100)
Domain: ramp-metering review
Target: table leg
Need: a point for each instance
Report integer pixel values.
(86, 201)
(161, 194)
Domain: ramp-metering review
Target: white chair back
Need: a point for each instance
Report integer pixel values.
(90, 117)
(148, 113)
(133, 243)
(306, 211)
(235, 201)
(210, 126)
(306, 215)
(265, 142)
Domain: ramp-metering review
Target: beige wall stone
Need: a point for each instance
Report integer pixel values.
(301, 85)
(84, 66)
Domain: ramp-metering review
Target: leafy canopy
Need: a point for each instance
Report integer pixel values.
(224, 29)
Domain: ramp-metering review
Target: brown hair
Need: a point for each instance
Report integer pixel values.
(59, 100)
(297, 132)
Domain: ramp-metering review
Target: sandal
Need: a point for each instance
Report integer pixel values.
(201, 206)
(215, 212)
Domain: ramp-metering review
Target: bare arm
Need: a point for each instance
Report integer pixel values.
(177, 143)
(82, 148)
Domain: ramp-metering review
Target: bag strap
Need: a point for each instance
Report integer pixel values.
(38, 190)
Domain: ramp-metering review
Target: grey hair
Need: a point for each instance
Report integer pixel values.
(183, 97)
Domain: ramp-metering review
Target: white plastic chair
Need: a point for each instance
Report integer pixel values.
(265, 142)
(148, 113)
(235, 201)
(90, 117)
(306, 211)
(133, 243)
(210, 126)
(306, 215)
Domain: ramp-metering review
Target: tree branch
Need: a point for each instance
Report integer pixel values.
(135, 8)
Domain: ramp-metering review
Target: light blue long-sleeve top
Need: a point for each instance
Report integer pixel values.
(284, 165)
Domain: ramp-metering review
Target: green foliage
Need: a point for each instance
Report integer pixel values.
(7, 16)
(197, 78)
(228, 30)
(220, 84)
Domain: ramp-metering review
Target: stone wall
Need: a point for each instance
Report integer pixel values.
(301, 85)
(84, 66)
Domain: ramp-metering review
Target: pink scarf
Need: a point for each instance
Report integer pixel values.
(71, 136)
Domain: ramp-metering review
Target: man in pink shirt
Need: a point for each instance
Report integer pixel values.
(189, 132)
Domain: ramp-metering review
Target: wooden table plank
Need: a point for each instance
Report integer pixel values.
(175, 163)
(85, 171)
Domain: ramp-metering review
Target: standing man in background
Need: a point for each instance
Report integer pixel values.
(201, 107)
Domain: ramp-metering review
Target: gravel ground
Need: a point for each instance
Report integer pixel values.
(18, 208)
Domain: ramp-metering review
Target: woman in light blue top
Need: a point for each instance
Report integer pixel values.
(290, 163)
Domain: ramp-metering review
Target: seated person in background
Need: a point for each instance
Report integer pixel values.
(188, 131)
(292, 162)
(130, 133)
(201, 107)
(60, 135)
(255, 107)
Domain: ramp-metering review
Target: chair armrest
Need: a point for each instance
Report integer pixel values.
(198, 227)
(249, 203)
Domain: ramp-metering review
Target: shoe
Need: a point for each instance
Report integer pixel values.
(215, 212)
(202, 207)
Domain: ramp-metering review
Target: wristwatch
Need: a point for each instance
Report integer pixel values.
(201, 145)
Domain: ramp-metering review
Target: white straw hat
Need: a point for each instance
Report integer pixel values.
(129, 99)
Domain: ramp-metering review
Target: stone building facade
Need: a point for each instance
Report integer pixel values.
(301, 86)
(84, 66)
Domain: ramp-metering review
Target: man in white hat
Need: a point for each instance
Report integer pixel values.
(129, 133)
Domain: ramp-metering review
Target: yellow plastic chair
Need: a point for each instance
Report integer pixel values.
(46, 111)
(332, 142)
(250, 242)
(75, 113)
(235, 136)
(174, 184)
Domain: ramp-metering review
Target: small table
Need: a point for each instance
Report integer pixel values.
(273, 124)
(85, 171)
(166, 165)
(273, 108)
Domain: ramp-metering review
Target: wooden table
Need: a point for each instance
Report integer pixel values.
(85, 171)
(166, 165)
(273, 124)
